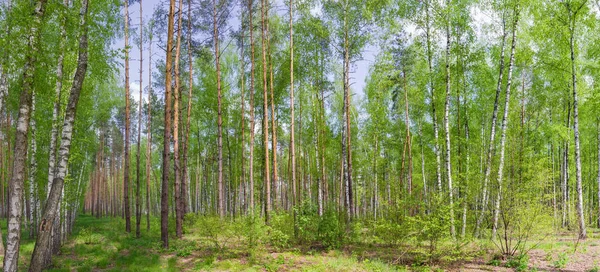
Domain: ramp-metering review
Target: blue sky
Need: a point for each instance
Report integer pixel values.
(358, 76)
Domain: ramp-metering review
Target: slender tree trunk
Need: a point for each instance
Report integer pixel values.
(598, 176)
(52, 205)
(292, 113)
(408, 136)
(127, 125)
(466, 180)
(490, 152)
(176, 118)
(267, 170)
(423, 169)
(149, 132)
(55, 121)
(580, 216)
(243, 203)
(221, 189)
(164, 196)
(348, 131)
(15, 187)
(138, 204)
(505, 123)
(447, 130)
(252, 120)
(184, 186)
(32, 174)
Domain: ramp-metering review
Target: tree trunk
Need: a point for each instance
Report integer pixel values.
(164, 196)
(221, 189)
(32, 173)
(138, 204)
(52, 205)
(15, 187)
(347, 133)
(127, 125)
(432, 97)
(447, 130)
(275, 176)
(490, 151)
(580, 216)
(598, 175)
(184, 186)
(252, 121)
(292, 113)
(505, 123)
(176, 118)
(149, 132)
(265, 114)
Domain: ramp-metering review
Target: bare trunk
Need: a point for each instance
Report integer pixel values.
(265, 114)
(447, 131)
(52, 205)
(127, 128)
(505, 124)
(292, 108)
(243, 203)
(185, 175)
(252, 121)
(598, 176)
(15, 187)
(348, 131)
(490, 151)
(275, 177)
(176, 110)
(31, 205)
(149, 133)
(164, 195)
(580, 216)
(138, 204)
(221, 190)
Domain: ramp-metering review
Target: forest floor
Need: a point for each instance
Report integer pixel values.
(103, 245)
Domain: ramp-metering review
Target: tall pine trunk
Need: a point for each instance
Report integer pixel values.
(127, 125)
(178, 197)
(164, 195)
(138, 204)
(185, 186)
(292, 108)
(149, 131)
(267, 171)
(252, 120)
(221, 188)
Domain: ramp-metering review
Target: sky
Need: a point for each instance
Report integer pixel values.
(484, 22)
(359, 71)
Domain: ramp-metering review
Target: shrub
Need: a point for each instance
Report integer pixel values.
(519, 262)
(562, 261)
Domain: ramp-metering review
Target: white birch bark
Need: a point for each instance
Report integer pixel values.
(15, 189)
(505, 124)
(51, 210)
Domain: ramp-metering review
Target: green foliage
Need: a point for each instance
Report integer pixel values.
(327, 231)
(215, 231)
(89, 235)
(562, 260)
(519, 262)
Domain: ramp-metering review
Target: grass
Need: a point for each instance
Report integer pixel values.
(103, 245)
